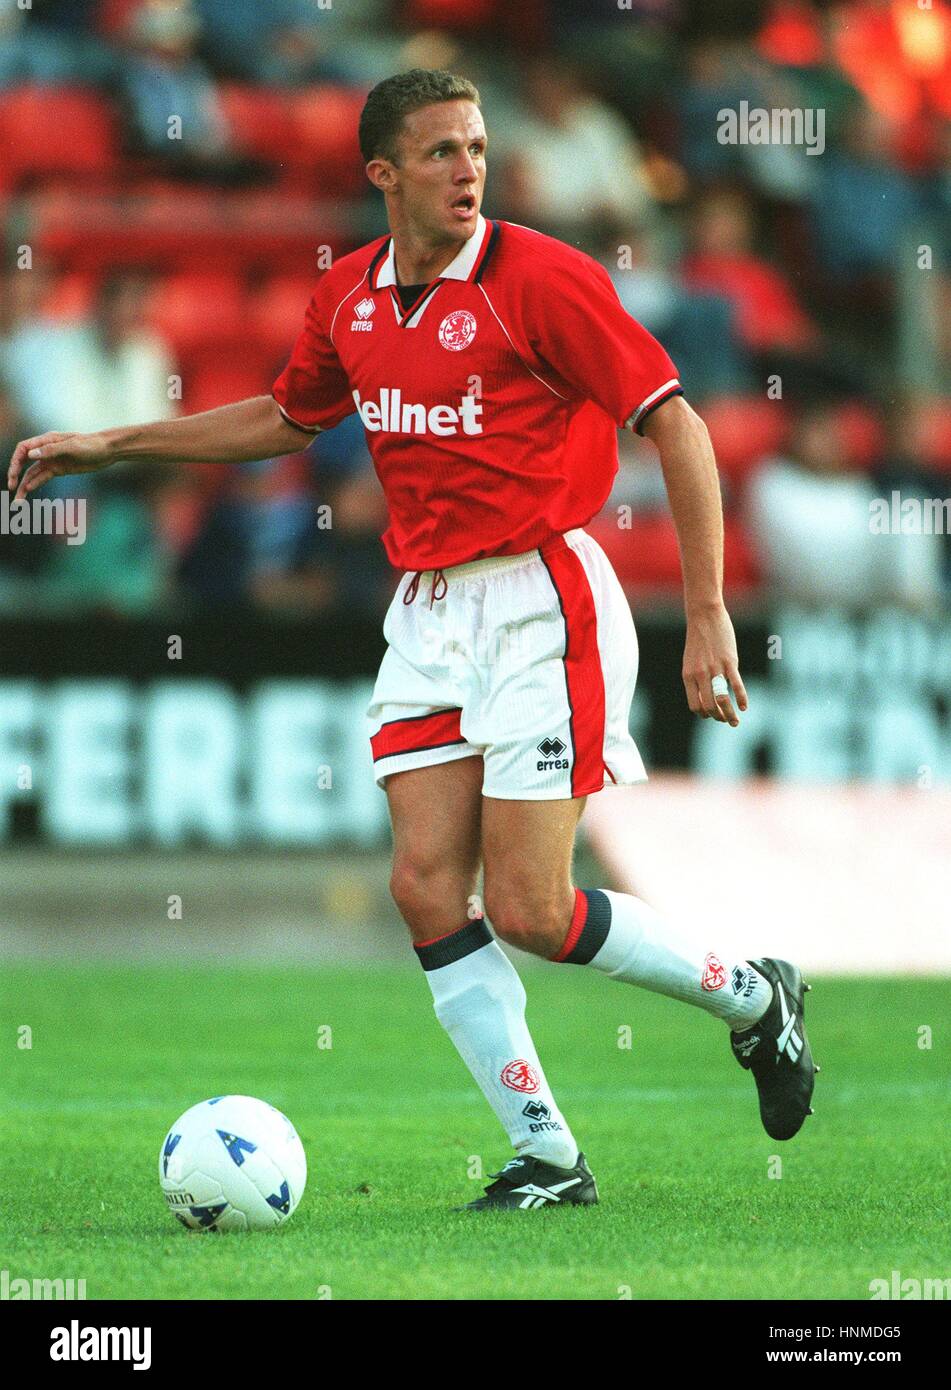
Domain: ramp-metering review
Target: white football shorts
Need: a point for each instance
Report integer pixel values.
(529, 661)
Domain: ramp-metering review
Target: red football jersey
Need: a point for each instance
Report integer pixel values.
(490, 405)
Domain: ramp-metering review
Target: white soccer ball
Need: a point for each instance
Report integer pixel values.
(232, 1163)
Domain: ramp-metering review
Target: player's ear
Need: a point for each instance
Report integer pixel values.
(382, 174)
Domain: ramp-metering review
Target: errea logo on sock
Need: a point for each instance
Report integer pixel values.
(744, 981)
(538, 1113)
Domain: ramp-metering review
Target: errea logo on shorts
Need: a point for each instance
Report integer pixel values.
(551, 760)
(395, 416)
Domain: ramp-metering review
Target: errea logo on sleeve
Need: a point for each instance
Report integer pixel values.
(393, 415)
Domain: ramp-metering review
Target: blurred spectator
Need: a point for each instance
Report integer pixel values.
(898, 54)
(119, 568)
(861, 205)
(917, 463)
(688, 322)
(721, 75)
(116, 569)
(570, 157)
(811, 523)
(107, 370)
(24, 559)
(300, 534)
(175, 111)
(279, 43)
(165, 82)
(69, 16)
(52, 41)
(723, 260)
(772, 325)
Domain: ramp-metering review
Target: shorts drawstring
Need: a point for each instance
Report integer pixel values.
(412, 587)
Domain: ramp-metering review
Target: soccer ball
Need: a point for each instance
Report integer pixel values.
(232, 1163)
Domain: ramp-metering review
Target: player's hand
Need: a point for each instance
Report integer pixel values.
(711, 651)
(34, 461)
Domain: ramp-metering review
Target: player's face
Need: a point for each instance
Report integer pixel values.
(441, 173)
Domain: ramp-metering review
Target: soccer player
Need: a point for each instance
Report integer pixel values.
(491, 367)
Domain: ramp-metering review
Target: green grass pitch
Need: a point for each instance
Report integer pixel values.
(390, 1120)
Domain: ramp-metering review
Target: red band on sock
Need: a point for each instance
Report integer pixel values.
(578, 919)
(433, 939)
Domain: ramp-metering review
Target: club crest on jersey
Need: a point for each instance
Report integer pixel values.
(714, 975)
(519, 1076)
(457, 330)
(363, 310)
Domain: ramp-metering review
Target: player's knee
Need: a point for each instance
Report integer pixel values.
(427, 894)
(411, 885)
(532, 924)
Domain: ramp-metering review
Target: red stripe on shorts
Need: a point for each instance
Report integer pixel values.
(582, 660)
(417, 732)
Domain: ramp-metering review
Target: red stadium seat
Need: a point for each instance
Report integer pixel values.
(324, 147)
(229, 371)
(276, 311)
(193, 309)
(862, 434)
(261, 121)
(114, 15)
(930, 435)
(745, 430)
(56, 130)
(646, 557)
(451, 14)
(71, 297)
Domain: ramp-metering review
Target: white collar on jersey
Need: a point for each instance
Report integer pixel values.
(459, 269)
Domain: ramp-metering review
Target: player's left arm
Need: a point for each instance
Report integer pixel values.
(575, 322)
(693, 487)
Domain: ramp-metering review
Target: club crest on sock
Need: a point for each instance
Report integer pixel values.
(714, 975)
(519, 1076)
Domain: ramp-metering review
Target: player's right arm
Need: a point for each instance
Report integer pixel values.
(238, 433)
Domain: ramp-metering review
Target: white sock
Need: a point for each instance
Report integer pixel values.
(480, 1001)
(629, 941)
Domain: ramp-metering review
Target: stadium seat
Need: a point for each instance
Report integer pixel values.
(68, 131)
(931, 435)
(260, 119)
(71, 296)
(193, 309)
(226, 372)
(324, 148)
(744, 430)
(646, 557)
(862, 434)
(276, 311)
(458, 15)
(114, 15)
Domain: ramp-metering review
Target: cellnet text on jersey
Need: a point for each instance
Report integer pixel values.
(393, 415)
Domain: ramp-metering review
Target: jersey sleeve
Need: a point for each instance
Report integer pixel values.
(313, 391)
(577, 324)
